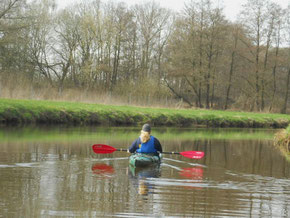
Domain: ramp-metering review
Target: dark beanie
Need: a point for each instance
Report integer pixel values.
(146, 128)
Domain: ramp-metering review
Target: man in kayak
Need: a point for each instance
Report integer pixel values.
(146, 143)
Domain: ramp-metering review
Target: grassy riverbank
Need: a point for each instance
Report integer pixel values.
(48, 112)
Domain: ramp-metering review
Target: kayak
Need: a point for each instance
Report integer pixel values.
(144, 160)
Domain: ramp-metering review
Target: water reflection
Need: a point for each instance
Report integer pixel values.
(195, 173)
(102, 169)
(140, 176)
(56, 173)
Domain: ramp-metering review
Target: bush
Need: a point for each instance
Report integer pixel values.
(282, 141)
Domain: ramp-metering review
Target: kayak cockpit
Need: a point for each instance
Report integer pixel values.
(144, 159)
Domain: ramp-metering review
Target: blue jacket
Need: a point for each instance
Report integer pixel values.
(152, 146)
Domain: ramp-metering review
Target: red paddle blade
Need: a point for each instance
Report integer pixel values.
(102, 169)
(103, 149)
(192, 173)
(193, 154)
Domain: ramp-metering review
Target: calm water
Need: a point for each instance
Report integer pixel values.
(53, 172)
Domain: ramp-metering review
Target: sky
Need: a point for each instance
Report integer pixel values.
(231, 7)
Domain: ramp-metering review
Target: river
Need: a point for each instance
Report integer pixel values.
(53, 172)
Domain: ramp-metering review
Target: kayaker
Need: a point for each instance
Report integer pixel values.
(146, 143)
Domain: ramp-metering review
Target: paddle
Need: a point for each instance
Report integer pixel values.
(106, 149)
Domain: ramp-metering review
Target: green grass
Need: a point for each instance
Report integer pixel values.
(14, 111)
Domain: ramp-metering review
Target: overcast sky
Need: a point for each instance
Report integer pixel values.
(231, 7)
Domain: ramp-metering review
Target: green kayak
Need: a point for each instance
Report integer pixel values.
(144, 160)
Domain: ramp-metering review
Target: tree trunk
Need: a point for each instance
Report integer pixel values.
(231, 73)
(275, 66)
(177, 94)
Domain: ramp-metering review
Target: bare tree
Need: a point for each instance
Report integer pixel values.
(151, 19)
(254, 17)
(196, 47)
(277, 14)
(235, 36)
(67, 41)
(7, 7)
(14, 29)
(41, 40)
(287, 65)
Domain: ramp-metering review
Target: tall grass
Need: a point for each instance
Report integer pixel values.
(282, 141)
(288, 130)
(125, 93)
(14, 111)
